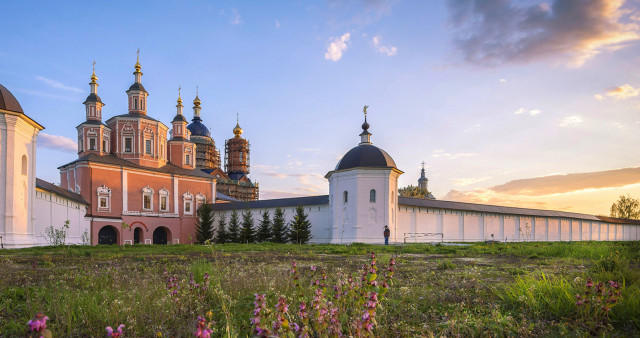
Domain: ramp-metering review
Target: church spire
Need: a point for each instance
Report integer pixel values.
(196, 107)
(365, 136)
(93, 103)
(179, 105)
(423, 180)
(237, 130)
(137, 94)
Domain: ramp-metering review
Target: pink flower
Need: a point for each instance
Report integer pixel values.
(38, 323)
(116, 333)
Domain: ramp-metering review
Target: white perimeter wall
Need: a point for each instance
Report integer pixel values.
(54, 210)
(318, 215)
(419, 224)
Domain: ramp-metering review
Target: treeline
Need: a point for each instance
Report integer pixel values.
(241, 228)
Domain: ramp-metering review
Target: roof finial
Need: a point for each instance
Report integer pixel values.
(238, 118)
(138, 61)
(365, 125)
(197, 101)
(179, 98)
(237, 130)
(93, 76)
(364, 110)
(422, 165)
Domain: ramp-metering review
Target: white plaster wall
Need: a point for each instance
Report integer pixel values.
(17, 138)
(575, 230)
(54, 210)
(318, 215)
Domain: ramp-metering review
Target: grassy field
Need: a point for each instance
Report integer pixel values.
(524, 289)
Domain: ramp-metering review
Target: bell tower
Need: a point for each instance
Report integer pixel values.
(137, 94)
(94, 137)
(423, 181)
(237, 153)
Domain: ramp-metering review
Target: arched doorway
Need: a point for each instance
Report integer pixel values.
(160, 236)
(107, 235)
(137, 236)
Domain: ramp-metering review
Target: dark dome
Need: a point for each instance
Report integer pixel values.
(8, 101)
(366, 155)
(137, 86)
(179, 117)
(197, 128)
(92, 98)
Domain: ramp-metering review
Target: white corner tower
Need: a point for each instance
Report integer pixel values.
(18, 136)
(363, 193)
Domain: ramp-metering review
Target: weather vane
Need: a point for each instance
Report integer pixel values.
(422, 165)
(179, 90)
(364, 110)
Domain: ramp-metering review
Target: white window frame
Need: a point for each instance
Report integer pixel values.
(148, 150)
(200, 200)
(95, 142)
(163, 193)
(124, 143)
(104, 192)
(372, 196)
(187, 199)
(187, 159)
(147, 191)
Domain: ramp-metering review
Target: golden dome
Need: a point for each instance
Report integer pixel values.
(94, 78)
(179, 98)
(237, 130)
(196, 101)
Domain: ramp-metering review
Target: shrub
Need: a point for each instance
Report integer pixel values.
(446, 264)
(55, 236)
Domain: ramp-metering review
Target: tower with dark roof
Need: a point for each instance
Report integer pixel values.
(423, 181)
(181, 149)
(136, 93)
(94, 137)
(363, 190)
(237, 155)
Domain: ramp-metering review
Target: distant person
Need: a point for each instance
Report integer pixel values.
(387, 233)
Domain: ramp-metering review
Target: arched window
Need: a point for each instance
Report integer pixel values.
(135, 103)
(24, 164)
(372, 195)
(345, 197)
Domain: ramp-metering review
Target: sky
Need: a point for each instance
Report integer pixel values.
(523, 103)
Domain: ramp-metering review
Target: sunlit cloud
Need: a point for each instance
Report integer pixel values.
(591, 192)
(389, 51)
(337, 47)
(58, 85)
(442, 154)
(236, 19)
(570, 121)
(57, 142)
(503, 80)
(532, 112)
(623, 92)
(463, 182)
(599, 97)
(495, 32)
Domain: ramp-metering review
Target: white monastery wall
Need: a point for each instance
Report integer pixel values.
(54, 210)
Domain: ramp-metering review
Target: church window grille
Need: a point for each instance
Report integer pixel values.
(135, 103)
(188, 203)
(148, 146)
(128, 144)
(345, 196)
(187, 159)
(92, 144)
(147, 198)
(372, 196)
(164, 198)
(104, 199)
(104, 146)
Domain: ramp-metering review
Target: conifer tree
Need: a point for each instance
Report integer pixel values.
(247, 233)
(233, 235)
(300, 227)
(221, 235)
(264, 230)
(204, 224)
(279, 231)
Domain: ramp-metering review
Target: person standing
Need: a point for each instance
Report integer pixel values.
(387, 233)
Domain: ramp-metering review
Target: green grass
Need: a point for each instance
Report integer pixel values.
(515, 289)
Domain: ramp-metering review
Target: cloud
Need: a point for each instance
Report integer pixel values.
(495, 32)
(337, 47)
(389, 51)
(441, 153)
(57, 142)
(589, 192)
(463, 182)
(235, 18)
(623, 92)
(58, 85)
(277, 23)
(503, 80)
(272, 194)
(47, 95)
(570, 121)
(599, 97)
(532, 112)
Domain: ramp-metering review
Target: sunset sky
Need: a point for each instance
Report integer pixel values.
(524, 103)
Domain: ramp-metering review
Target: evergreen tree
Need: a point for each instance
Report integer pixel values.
(233, 235)
(264, 230)
(204, 224)
(300, 232)
(247, 233)
(279, 233)
(222, 235)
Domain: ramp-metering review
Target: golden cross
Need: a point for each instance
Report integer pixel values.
(138, 57)
(179, 90)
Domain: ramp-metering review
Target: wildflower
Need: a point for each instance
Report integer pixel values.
(38, 323)
(202, 330)
(313, 268)
(116, 333)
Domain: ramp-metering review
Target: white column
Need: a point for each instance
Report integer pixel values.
(461, 226)
(125, 191)
(501, 227)
(176, 195)
(570, 230)
(533, 228)
(517, 228)
(482, 229)
(546, 229)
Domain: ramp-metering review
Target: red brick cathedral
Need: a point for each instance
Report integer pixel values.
(143, 187)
